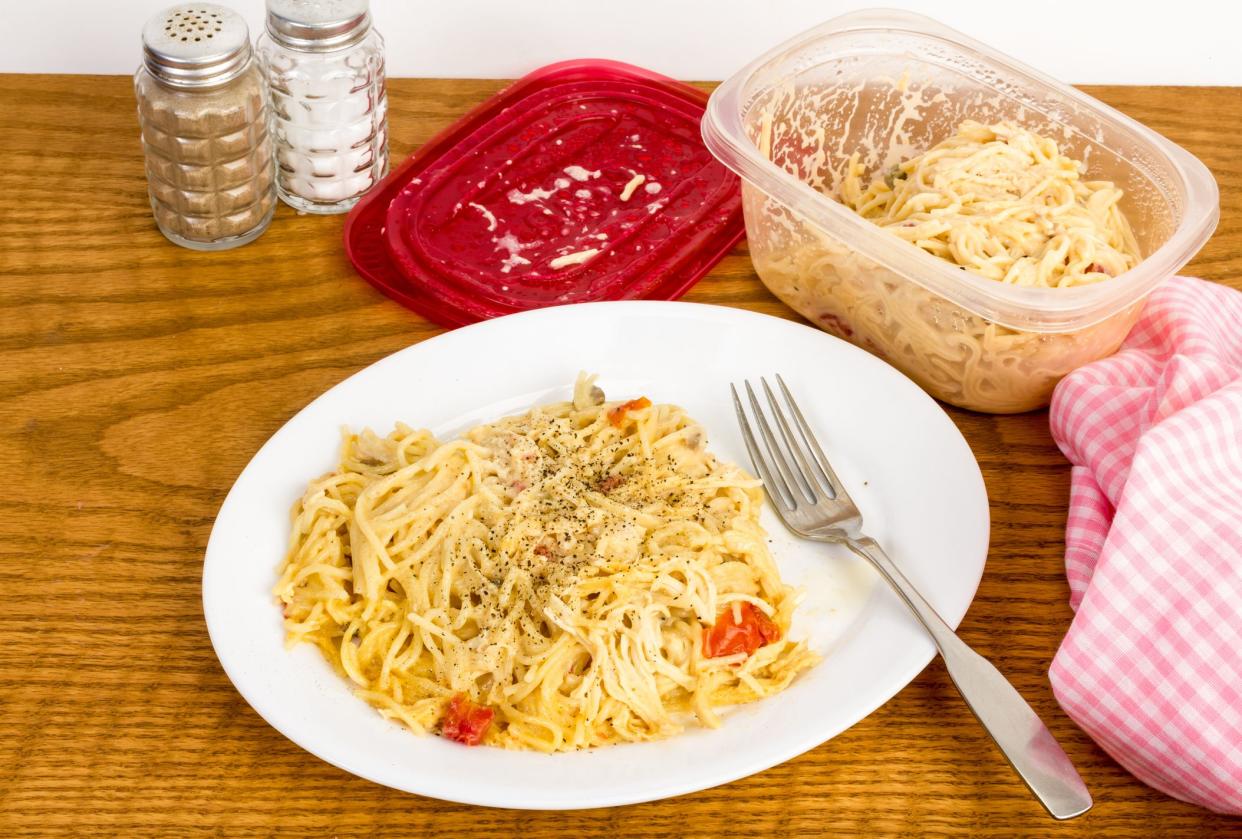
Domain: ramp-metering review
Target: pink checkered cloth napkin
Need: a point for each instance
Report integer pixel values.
(1151, 666)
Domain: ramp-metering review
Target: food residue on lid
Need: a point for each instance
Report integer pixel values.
(573, 258)
(579, 173)
(634, 183)
(487, 214)
(516, 196)
(512, 246)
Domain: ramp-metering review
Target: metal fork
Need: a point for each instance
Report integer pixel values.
(810, 499)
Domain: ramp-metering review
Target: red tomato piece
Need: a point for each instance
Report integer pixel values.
(746, 633)
(617, 415)
(465, 721)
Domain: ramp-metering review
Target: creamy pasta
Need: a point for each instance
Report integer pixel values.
(998, 200)
(583, 574)
(1003, 202)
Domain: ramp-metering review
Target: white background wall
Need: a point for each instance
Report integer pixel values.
(1082, 41)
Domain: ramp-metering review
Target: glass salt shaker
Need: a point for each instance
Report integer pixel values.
(202, 106)
(324, 64)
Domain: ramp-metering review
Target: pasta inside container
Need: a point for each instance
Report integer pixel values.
(789, 124)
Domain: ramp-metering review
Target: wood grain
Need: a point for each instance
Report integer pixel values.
(136, 380)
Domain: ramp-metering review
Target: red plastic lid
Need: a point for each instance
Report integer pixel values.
(586, 180)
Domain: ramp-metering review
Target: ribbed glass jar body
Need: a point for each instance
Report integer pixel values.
(208, 159)
(329, 121)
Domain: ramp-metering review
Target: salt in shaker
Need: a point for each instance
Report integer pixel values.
(324, 64)
(202, 107)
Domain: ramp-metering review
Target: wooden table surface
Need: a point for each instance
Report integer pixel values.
(137, 379)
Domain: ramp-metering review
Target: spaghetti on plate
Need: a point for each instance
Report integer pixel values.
(583, 574)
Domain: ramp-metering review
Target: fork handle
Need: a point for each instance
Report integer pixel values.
(1017, 730)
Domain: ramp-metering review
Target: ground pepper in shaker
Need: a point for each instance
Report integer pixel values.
(202, 106)
(324, 64)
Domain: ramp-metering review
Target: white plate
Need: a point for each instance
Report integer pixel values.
(901, 457)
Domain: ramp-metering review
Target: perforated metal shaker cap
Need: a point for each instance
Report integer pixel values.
(196, 45)
(318, 25)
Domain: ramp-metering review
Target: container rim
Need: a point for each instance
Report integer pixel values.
(1023, 308)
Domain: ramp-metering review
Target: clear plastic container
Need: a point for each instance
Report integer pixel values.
(890, 84)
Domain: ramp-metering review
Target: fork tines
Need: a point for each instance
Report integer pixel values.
(795, 469)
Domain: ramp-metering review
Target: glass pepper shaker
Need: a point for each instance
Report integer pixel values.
(324, 64)
(202, 106)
